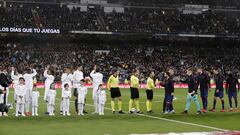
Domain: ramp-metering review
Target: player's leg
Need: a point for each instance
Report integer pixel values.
(95, 101)
(82, 107)
(188, 104)
(164, 104)
(130, 101)
(99, 109)
(119, 95)
(102, 106)
(149, 100)
(195, 99)
(27, 104)
(64, 106)
(230, 101)
(33, 111)
(120, 105)
(136, 100)
(68, 106)
(112, 91)
(36, 110)
(235, 101)
(17, 109)
(22, 109)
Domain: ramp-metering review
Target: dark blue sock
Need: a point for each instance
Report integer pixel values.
(222, 104)
(230, 102)
(236, 102)
(214, 103)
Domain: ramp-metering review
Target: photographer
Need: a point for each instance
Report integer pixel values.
(4, 83)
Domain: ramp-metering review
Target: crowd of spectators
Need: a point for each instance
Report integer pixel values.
(132, 20)
(146, 57)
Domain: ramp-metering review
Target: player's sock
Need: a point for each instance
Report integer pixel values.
(147, 105)
(17, 109)
(222, 100)
(214, 103)
(113, 105)
(36, 111)
(120, 105)
(130, 104)
(150, 105)
(33, 111)
(206, 103)
(96, 106)
(137, 105)
(230, 102)
(76, 105)
(164, 105)
(236, 102)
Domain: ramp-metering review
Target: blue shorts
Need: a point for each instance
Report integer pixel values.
(219, 94)
(232, 94)
(169, 98)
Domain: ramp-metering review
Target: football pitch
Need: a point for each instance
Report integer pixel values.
(121, 124)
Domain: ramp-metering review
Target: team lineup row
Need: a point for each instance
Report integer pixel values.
(26, 93)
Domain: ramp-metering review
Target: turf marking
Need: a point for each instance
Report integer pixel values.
(169, 120)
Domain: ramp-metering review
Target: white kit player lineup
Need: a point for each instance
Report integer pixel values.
(26, 94)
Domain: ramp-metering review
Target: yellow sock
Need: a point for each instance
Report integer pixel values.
(113, 105)
(137, 104)
(120, 105)
(150, 105)
(147, 105)
(130, 104)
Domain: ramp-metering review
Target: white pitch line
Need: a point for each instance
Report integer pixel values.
(169, 120)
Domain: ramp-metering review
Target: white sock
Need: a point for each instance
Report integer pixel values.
(33, 111)
(17, 108)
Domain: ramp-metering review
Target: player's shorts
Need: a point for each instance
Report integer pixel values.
(149, 94)
(115, 92)
(232, 94)
(219, 94)
(204, 93)
(134, 93)
(169, 98)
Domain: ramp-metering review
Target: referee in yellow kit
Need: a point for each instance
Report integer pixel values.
(149, 91)
(112, 85)
(134, 91)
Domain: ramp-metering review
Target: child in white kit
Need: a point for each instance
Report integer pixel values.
(66, 95)
(101, 99)
(82, 92)
(20, 96)
(51, 96)
(35, 96)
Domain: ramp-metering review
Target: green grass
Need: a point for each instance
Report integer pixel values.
(119, 124)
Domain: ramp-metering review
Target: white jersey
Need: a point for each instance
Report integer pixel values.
(35, 96)
(20, 94)
(49, 80)
(77, 77)
(97, 78)
(66, 94)
(29, 78)
(15, 78)
(102, 97)
(67, 78)
(51, 96)
(82, 92)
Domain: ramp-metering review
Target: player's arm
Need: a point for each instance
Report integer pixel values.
(109, 83)
(34, 73)
(13, 76)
